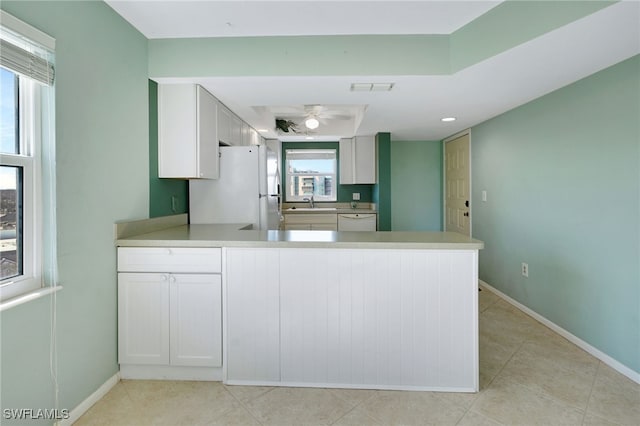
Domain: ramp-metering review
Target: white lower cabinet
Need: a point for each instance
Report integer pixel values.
(311, 222)
(168, 319)
(143, 318)
(195, 319)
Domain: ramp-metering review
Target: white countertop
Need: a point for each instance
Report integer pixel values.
(231, 235)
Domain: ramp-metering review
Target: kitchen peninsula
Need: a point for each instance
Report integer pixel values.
(377, 310)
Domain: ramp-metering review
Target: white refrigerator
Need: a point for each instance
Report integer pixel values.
(248, 190)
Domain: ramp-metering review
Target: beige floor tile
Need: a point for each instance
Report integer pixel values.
(615, 397)
(298, 406)
(245, 394)
(115, 408)
(180, 402)
(353, 397)
(486, 299)
(356, 417)
(495, 352)
(476, 419)
(411, 408)
(236, 417)
(592, 420)
(550, 375)
(511, 403)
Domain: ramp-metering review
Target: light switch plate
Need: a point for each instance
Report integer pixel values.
(356, 196)
(484, 195)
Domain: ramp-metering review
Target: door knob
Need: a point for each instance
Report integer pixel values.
(466, 203)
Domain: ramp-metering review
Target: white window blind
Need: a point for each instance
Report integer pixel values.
(26, 51)
(26, 63)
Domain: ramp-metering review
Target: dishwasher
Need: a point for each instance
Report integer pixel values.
(357, 222)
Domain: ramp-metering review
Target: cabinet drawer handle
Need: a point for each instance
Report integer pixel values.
(163, 278)
(169, 251)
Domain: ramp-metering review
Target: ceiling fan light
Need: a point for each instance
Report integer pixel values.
(311, 123)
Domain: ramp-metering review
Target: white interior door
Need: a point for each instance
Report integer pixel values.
(457, 185)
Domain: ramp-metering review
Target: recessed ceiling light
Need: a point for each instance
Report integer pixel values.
(447, 119)
(309, 138)
(263, 130)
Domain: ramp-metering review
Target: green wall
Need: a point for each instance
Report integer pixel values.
(382, 190)
(102, 140)
(562, 175)
(416, 186)
(344, 191)
(162, 192)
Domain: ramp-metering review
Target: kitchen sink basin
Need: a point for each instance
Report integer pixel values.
(311, 209)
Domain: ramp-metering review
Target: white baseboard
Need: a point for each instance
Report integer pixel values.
(616, 365)
(84, 406)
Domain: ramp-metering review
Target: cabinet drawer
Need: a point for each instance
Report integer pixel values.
(313, 218)
(164, 259)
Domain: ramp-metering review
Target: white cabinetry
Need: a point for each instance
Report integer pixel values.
(358, 160)
(311, 222)
(359, 318)
(230, 127)
(357, 222)
(187, 132)
(169, 311)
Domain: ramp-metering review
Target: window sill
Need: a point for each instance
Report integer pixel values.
(27, 297)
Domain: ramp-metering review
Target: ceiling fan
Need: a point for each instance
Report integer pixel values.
(307, 117)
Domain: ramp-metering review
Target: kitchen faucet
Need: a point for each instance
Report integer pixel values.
(310, 200)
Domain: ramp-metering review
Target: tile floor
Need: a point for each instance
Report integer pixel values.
(529, 375)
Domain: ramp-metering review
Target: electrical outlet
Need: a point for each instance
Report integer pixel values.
(174, 203)
(525, 270)
(356, 196)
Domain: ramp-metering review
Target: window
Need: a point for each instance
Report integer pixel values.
(311, 172)
(25, 76)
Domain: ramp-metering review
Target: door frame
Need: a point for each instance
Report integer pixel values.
(444, 179)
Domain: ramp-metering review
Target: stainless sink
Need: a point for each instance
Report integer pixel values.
(311, 209)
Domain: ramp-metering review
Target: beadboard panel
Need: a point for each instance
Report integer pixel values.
(387, 319)
(379, 317)
(253, 314)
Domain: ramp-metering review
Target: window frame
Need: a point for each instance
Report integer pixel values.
(288, 175)
(29, 160)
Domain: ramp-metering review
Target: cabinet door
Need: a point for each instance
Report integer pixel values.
(177, 130)
(253, 315)
(297, 227)
(346, 161)
(196, 320)
(187, 132)
(207, 136)
(224, 124)
(365, 159)
(358, 160)
(143, 318)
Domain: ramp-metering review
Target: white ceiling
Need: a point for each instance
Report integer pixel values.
(412, 110)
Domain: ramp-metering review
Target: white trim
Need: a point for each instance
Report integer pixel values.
(85, 405)
(331, 385)
(27, 297)
(616, 365)
(169, 372)
(17, 26)
(444, 180)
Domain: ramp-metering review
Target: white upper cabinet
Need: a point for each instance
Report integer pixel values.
(358, 160)
(230, 127)
(187, 132)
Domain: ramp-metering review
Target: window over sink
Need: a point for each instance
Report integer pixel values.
(311, 173)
